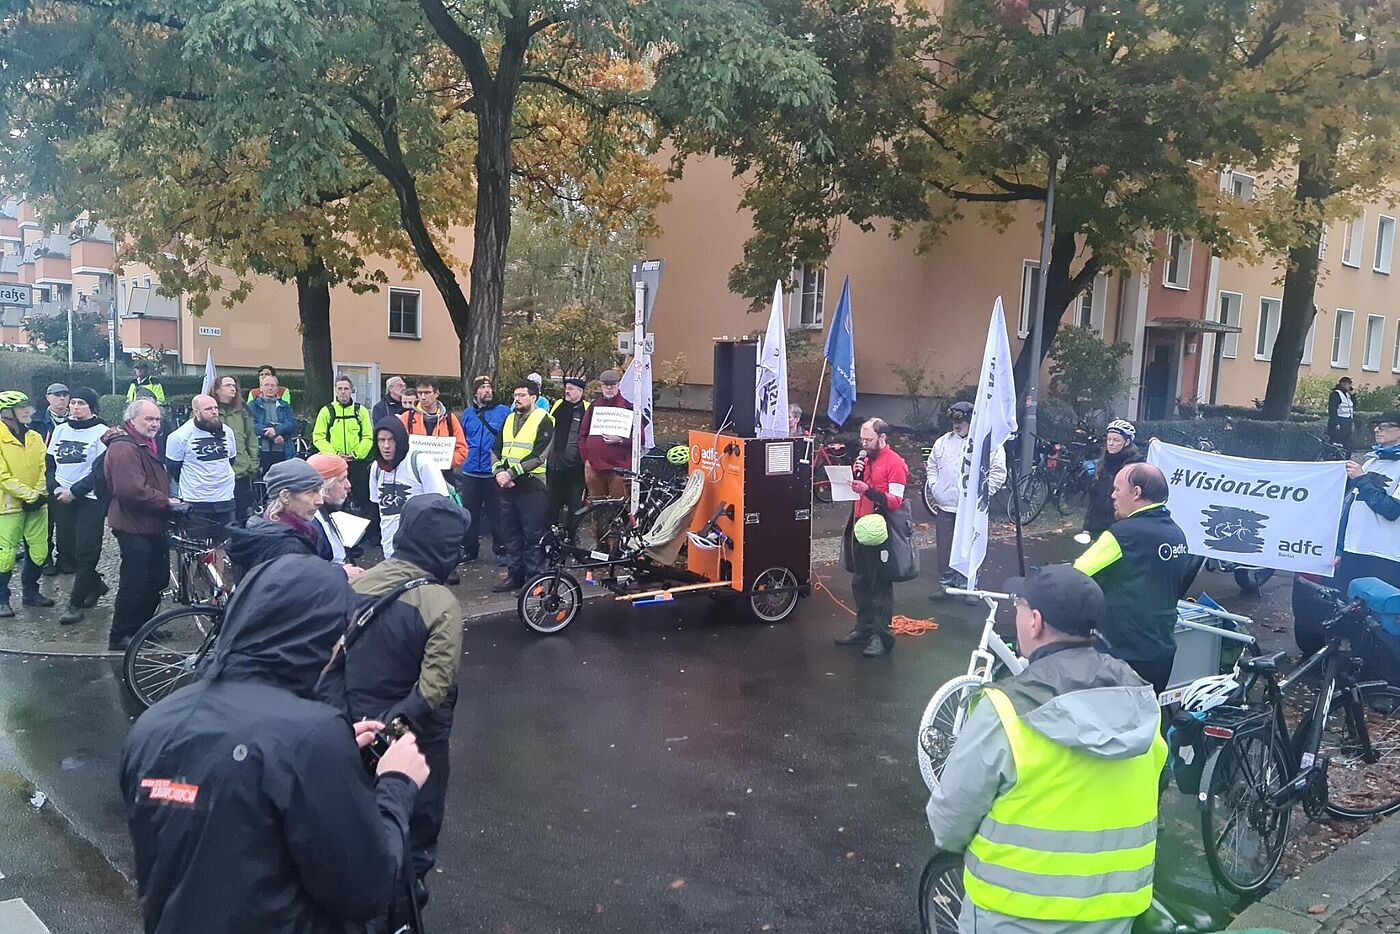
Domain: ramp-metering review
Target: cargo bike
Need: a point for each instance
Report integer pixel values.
(736, 527)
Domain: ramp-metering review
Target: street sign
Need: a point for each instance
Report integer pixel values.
(624, 343)
(648, 272)
(17, 295)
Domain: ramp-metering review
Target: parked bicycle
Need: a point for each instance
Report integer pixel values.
(829, 452)
(166, 652)
(1339, 760)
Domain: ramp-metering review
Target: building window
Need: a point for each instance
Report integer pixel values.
(812, 282)
(1341, 339)
(1322, 244)
(405, 317)
(148, 282)
(1242, 186)
(1395, 362)
(1375, 336)
(1084, 309)
(1270, 310)
(1353, 239)
(1231, 306)
(1030, 285)
(1308, 344)
(1176, 271)
(1385, 243)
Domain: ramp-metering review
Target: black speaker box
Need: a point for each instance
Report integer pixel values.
(736, 375)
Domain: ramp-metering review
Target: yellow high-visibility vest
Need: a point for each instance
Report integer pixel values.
(1074, 839)
(516, 447)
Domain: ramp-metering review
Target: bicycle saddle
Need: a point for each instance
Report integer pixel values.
(1263, 664)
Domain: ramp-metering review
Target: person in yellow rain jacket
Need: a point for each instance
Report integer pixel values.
(24, 513)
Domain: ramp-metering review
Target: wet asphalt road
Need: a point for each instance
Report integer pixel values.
(677, 768)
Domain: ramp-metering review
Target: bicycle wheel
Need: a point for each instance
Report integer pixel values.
(1073, 498)
(549, 603)
(941, 894)
(927, 498)
(1034, 492)
(599, 527)
(821, 486)
(773, 596)
(165, 653)
(1244, 834)
(942, 720)
(1361, 783)
(1251, 579)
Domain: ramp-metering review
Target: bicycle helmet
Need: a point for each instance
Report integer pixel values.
(678, 454)
(960, 411)
(1208, 693)
(1123, 427)
(13, 399)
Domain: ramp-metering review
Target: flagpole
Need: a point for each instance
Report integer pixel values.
(1011, 476)
(817, 401)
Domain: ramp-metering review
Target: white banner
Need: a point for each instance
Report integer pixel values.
(1269, 514)
(772, 389)
(611, 420)
(211, 375)
(993, 421)
(433, 449)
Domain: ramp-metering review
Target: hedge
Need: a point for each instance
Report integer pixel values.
(32, 373)
(1289, 440)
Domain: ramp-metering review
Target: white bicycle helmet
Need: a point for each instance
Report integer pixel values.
(1207, 693)
(1123, 427)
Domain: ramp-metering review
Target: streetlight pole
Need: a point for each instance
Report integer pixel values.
(1028, 429)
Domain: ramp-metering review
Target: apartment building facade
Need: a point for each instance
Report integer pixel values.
(1200, 328)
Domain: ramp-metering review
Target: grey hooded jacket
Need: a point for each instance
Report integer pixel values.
(1071, 694)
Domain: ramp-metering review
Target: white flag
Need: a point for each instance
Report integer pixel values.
(993, 421)
(772, 396)
(210, 376)
(648, 436)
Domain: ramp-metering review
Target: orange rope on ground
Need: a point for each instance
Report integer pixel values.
(899, 625)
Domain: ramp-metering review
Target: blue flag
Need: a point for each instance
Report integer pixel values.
(841, 354)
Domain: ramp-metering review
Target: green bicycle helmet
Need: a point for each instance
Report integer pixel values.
(872, 530)
(13, 399)
(679, 454)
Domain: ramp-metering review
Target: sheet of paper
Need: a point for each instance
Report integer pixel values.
(435, 450)
(840, 477)
(351, 527)
(611, 420)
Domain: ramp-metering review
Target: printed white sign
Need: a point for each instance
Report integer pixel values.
(436, 451)
(1270, 514)
(841, 477)
(611, 420)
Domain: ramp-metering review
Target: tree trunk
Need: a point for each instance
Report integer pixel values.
(1061, 289)
(314, 313)
(481, 345)
(1315, 184)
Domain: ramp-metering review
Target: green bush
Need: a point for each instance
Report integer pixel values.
(111, 408)
(31, 373)
(1290, 440)
(1376, 398)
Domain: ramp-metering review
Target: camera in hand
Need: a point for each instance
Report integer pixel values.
(395, 729)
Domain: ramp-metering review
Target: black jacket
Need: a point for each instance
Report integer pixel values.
(405, 659)
(1141, 588)
(1100, 513)
(249, 808)
(568, 420)
(262, 540)
(386, 408)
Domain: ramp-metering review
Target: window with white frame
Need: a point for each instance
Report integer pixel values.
(1084, 309)
(1242, 186)
(1395, 361)
(1322, 244)
(1270, 310)
(405, 313)
(1341, 338)
(1371, 348)
(1308, 343)
(1030, 284)
(1353, 240)
(811, 295)
(1176, 271)
(1385, 243)
(1231, 309)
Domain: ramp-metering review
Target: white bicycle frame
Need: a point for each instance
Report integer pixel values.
(991, 646)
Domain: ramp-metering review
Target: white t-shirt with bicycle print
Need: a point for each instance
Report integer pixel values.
(390, 490)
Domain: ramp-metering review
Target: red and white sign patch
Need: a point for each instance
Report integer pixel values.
(163, 789)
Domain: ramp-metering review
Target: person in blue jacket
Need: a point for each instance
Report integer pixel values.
(275, 424)
(476, 483)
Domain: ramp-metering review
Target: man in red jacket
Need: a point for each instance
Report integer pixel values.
(883, 475)
(140, 503)
(604, 455)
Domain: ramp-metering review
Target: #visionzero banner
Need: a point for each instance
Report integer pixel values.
(1270, 514)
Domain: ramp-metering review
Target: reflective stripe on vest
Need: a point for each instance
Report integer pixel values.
(1074, 839)
(515, 448)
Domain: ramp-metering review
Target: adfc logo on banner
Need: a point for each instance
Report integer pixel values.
(1273, 514)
